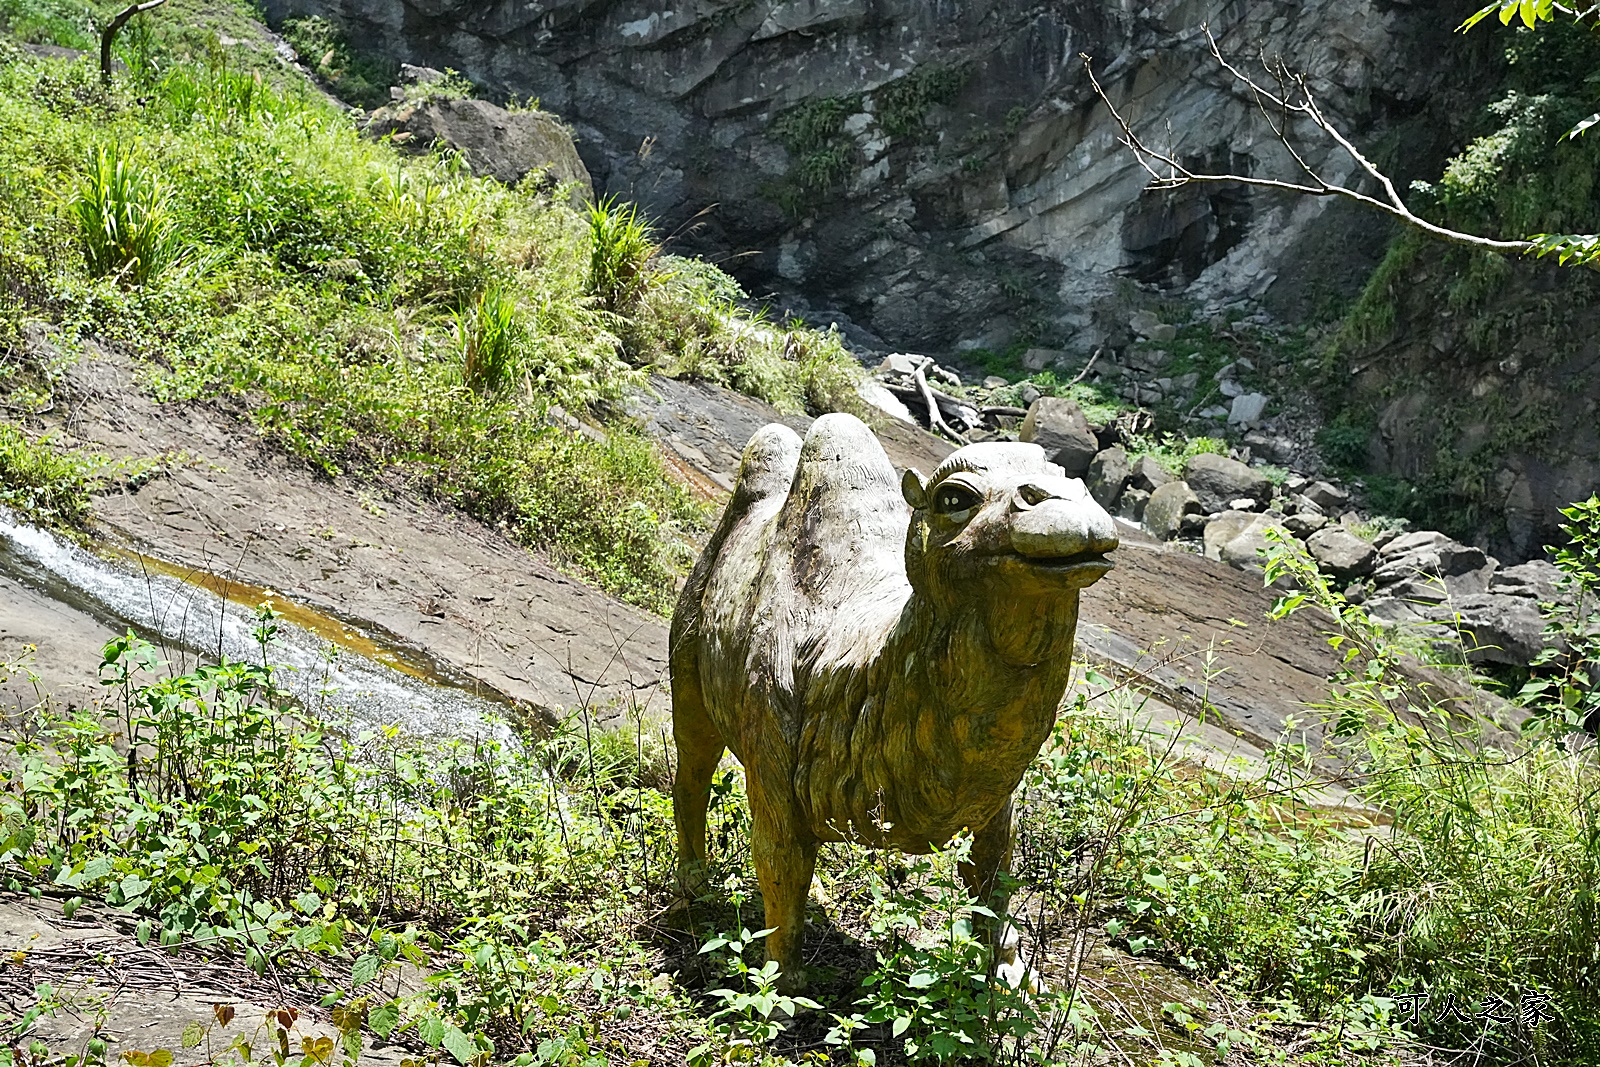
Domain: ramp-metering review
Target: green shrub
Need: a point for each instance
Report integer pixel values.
(621, 252)
(236, 824)
(125, 218)
(67, 23)
(1565, 690)
(821, 153)
(44, 484)
(903, 104)
(1344, 445)
(354, 76)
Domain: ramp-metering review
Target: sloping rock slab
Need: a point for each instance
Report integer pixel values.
(425, 576)
(705, 427)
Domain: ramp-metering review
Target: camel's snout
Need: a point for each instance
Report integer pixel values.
(1056, 519)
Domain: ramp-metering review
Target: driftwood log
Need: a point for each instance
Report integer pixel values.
(885, 657)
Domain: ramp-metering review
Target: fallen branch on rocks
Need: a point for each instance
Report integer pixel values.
(1087, 367)
(935, 417)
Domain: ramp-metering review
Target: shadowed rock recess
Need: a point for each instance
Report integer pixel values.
(937, 172)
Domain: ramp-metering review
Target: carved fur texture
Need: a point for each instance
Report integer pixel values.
(884, 656)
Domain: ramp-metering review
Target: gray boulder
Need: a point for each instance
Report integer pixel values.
(1108, 476)
(1499, 629)
(1327, 498)
(1463, 568)
(1304, 524)
(1392, 611)
(1341, 553)
(1535, 579)
(1423, 591)
(1057, 425)
(1218, 481)
(1247, 409)
(1250, 547)
(504, 145)
(1270, 447)
(1402, 544)
(1167, 507)
(1150, 475)
(1224, 527)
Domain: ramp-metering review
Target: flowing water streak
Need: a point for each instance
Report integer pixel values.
(396, 687)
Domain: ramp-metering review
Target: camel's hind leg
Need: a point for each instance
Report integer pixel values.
(785, 857)
(700, 748)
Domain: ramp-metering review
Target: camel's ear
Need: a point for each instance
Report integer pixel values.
(914, 489)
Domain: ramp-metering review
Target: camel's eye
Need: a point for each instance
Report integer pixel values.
(955, 500)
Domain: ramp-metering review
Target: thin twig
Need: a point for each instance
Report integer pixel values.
(1168, 172)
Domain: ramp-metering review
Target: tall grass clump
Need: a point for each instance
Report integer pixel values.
(622, 247)
(125, 218)
(1488, 886)
(490, 335)
(44, 483)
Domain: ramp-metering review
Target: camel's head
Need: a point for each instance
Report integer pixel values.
(1000, 528)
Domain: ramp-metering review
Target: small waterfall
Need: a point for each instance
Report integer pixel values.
(388, 685)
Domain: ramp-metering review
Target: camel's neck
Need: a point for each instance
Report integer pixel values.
(988, 669)
(942, 721)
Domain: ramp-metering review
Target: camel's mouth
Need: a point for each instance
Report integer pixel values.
(1082, 568)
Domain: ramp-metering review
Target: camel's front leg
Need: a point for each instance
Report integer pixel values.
(785, 857)
(984, 875)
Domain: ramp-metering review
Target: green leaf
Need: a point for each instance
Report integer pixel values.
(384, 1019)
(901, 1024)
(459, 1045)
(431, 1030)
(364, 971)
(193, 1034)
(1586, 124)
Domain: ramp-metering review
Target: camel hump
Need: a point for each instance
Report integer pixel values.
(768, 466)
(845, 516)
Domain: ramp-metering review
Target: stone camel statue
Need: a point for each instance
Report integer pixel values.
(885, 661)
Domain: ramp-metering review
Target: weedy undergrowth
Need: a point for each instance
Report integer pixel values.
(490, 335)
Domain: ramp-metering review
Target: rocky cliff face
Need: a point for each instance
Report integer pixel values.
(938, 170)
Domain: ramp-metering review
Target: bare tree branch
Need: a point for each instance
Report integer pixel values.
(108, 36)
(1168, 171)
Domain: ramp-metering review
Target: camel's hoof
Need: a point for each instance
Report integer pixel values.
(1018, 975)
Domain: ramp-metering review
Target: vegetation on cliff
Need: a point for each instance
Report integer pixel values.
(1509, 328)
(214, 217)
